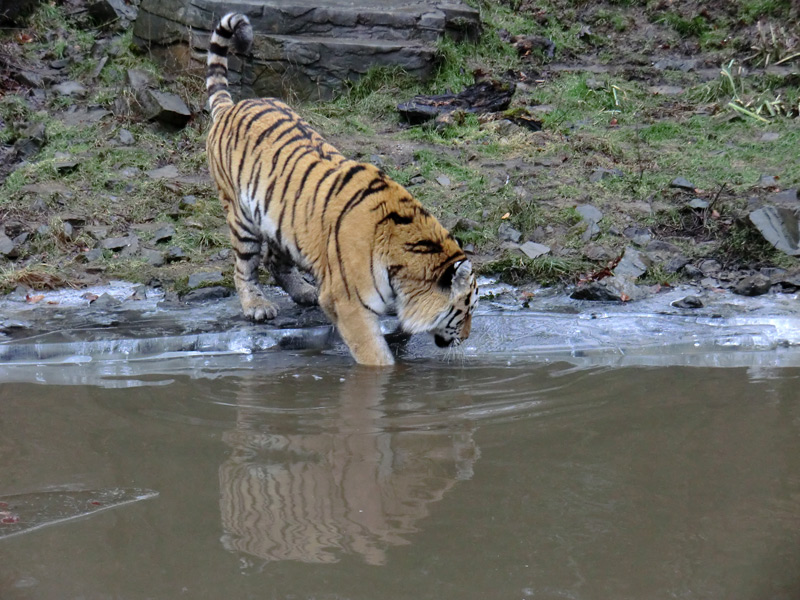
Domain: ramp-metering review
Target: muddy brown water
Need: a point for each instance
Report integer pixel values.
(316, 479)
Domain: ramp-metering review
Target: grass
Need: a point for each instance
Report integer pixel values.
(498, 172)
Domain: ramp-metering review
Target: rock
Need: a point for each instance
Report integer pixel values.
(464, 224)
(676, 64)
(767, 181)
(600, 174)
(786, 197)
(118, 243)
(697, 204)
(138, 80)
(682, 183)
(93, 255)
(769, 136)
(63, 162)
(676, 263)
(506, 233)
(610, 289)
(132, 249)
(31, 140)
(174, 253)
(188, 200)
(753, 285)
(416, 180)
(632, 265)
(589, 213)
(105, 301)
(103, 12)
(203, 278)
(779, 226)
(164, 107)
(443, 180)
(207, 293)
(688, 302)
(710, 267)
(597, 253)
(7, 246)
(639, 236)
(98, 232)
(70, 88)
(665, 90)
(534, 250)
(125, 137)
(163, 234)
(166, 172)
(692, 271)
(153, 257)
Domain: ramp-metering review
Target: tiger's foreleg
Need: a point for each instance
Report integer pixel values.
(291, 279)
(248, 249)
(360, 330)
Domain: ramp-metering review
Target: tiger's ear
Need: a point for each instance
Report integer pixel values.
(461, 278)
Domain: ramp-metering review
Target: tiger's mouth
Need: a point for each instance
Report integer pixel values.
(441, 341)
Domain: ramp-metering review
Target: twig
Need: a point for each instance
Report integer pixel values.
(785, 58)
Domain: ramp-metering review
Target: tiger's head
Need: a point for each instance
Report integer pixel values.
(444, 307)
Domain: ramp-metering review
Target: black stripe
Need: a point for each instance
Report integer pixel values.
(224, 32)
(397, 219)
(349, 175)
(424, 247)
(214, 88)
(215, 48)
(270, 129)
(216, 69)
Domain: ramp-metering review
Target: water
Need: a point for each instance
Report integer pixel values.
(569, 451)
(290, 475)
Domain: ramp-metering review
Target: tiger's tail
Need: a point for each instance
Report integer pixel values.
(232, 27)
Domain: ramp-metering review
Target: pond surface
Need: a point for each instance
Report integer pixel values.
(295, 475)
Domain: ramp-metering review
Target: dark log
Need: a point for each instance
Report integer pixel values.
(483, 97)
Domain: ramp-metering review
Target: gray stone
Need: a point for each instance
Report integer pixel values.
(118, 243)
(7, 246)
(443, 180)
(769, 136)
(203, 278)
(753, 285)
(697, 204)
(688, 302)
(63, 162)
(31, 141)
(98, 232)
(93, 255)
(692, 271)
(637, 235)
(676, 263)
(632, 265)
(682, 183)
(534, 250)
(166, 172)
(610, 289)
(302, 50)
(665, 90)
(710, 267)
(507, 233)
(464, 224)
(676, 64)
(70, 88)
(786, 197)
(105, 301)
(188, 200)
(767, 181)
(107, 11)
(597, 253)
(589, 213)
(416, 180)
(153, 257)
(164, 107)
(174, 253)
(125, 137)
(138, 80)
(207, 294)
(163, 234)
(600, 174)
(779, 226)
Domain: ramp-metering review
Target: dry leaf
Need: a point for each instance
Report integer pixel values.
(34, 299)
(24, 38)
(505, 216)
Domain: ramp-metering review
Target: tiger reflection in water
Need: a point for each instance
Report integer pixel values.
(351, 488)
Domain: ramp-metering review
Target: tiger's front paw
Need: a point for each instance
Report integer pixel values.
(258, 308)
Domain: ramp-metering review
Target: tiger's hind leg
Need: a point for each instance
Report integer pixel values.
(291, 279)
(249, 253)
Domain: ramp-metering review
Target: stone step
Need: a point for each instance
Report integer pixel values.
(303, 51)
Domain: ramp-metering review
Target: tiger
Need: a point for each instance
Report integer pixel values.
(293, 202)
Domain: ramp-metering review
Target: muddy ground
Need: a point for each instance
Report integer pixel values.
(647, 143)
